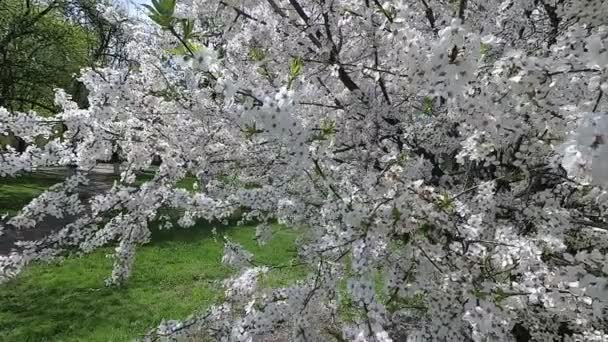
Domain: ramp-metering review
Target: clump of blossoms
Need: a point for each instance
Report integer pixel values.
(446, 162)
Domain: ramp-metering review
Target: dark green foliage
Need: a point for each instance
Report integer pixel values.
(40, 50)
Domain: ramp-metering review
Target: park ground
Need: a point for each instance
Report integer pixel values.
(178, 273)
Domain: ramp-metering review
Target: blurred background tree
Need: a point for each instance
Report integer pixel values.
(43, 46)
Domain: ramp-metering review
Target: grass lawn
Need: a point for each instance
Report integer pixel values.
(16, 192)
(178, 273)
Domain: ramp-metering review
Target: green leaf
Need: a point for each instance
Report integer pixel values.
(484, 49)
(403, 157)
(251, 130)
(263, 70)
(295, 67)
(328, 127)
(396, 214)
(479, 293)
(428, 105)
(425, 229)
(161, 12)
(150, 9)
(445, 201)
(257, 54)
(165, 7)
(182, 51)
(188, 28)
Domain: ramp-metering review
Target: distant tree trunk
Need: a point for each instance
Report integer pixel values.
(81, 95)
(72, 170)
(116, 160)
(20, 144)
(156, 160)
(116, 163)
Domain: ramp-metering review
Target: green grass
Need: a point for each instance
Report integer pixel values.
(184, 183)
(178, 273)
(16, 192)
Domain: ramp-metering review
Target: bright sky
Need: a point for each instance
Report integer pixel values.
(133, 5)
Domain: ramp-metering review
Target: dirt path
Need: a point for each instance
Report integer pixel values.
(100, 180)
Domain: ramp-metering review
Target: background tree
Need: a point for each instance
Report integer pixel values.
(39, 51)
(43, 47)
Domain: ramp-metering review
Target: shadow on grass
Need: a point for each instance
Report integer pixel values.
(201, 230)
(16, 192)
